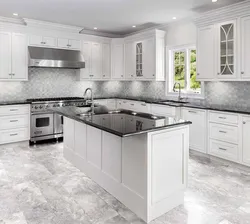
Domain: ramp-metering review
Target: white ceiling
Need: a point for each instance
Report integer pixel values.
(111, 16)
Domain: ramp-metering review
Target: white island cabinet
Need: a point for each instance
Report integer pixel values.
(147, 172)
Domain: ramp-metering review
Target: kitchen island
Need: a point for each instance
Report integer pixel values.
(140, 159)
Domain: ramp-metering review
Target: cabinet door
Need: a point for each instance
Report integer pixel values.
(19, 56)
(35, 40)
(49, 41)
(74, 44)
(148, 59)
(5, 55)
(197, 132)
(86, 52)
(245, 47)
(139, 59)
(69, 134)
(118, 61)
(96, 61)
(106, 62)
(63, 42)
(246, 140)
(205, 53)
(226, 46)
(130, 60)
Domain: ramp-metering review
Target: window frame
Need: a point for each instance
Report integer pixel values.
(170, 71)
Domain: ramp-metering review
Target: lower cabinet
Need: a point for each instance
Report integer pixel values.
(163, 110)
(198, 128)
(246, 140)
(14, 123)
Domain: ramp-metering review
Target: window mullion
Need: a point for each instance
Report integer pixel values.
(187, 70)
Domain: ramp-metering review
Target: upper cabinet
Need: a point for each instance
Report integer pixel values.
(45, 41)
(13, 56)
(118, 59)
(245, 48)
(226, 50)
(145, 56)
(205, 53)
(54, 42)
(97, 61)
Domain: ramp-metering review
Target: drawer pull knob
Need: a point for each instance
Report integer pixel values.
(223, 132)
(223, 118)
(13, 134)
(13, 120)
(222, 149)
(244, 122)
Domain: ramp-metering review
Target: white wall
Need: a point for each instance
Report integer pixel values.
(181, 33)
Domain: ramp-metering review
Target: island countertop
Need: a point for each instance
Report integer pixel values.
(122, 123)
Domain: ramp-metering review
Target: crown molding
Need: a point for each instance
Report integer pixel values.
(18, 21)
(52, 26)
(226, 13)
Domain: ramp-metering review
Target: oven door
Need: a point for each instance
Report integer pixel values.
(58, 124)
(41, 124)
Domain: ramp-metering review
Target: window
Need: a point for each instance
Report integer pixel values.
(182, 70)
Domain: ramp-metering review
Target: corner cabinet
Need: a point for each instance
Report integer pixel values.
(13, 57)
(145, 56)
(226, 42)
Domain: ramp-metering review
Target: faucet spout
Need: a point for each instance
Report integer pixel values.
(177, 83)
(92, 99)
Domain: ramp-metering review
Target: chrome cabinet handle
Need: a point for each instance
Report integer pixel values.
(153, 74)
(13, 134)
(192, 112)
(13, 120)
(242, 73)
(198, 73)
(143, 104)
(244, 122)
(223, 132)
(222, 149)
(132, 104)
(223, 118)
(13, 109)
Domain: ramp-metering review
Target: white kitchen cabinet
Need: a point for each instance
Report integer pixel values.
(205, 53)
(97, 60)
(226, 42)
(117, 61)
(42, 41)
(13, 56)
(246, 140)
(245, 48)
(149, 56)
(106, 61)
(69, 133)
(130, 60)
(80, 144)
(69, 43)
(197, 130)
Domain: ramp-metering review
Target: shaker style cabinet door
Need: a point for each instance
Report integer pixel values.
(246, 140)
(118, 61)
(148, 59)
(130, 60)
(19, 56)
(106, 62)
(245, 47)
(5, 55)
(86, 52)
(96, 61)
(205, 53)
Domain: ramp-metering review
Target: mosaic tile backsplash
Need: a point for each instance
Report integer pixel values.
(47, 82)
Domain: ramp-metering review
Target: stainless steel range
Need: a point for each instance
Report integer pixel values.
(46, 124)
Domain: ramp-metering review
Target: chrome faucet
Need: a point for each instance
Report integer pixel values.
(179, 97)
(92, 99)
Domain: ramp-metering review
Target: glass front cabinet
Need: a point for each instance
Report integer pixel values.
(226, 68)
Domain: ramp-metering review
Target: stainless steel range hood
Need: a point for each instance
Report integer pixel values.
(55, 58)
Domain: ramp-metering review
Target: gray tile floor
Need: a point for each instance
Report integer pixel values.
(37, 185)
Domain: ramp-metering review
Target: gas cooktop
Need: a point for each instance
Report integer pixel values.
(54, 99)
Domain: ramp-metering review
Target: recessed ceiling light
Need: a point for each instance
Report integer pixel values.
(134, 26)
(15, 14)
(174, 18)
(95, 28)
(214, 0)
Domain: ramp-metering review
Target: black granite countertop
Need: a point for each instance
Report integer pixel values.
(122, 123)
(14, 102)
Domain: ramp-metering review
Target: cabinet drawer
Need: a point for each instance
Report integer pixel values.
(11, 122)
(14, 109)
(223, 150)
(223, 132)
(223, 118)
(9, 136)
